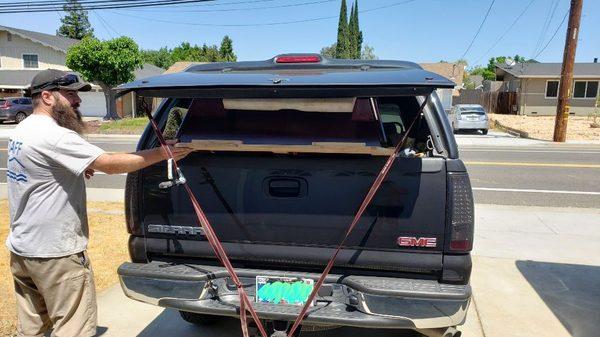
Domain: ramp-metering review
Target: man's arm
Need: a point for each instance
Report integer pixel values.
(116, 163)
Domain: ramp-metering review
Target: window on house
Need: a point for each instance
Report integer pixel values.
(592, 89)
(585, 89)
(551, 89)
(30, 61)
(579, 89)
(8, 37)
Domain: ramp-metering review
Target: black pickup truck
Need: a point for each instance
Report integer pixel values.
(287, 150)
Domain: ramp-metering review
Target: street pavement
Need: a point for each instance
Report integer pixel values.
(503, 170)
(536, 269)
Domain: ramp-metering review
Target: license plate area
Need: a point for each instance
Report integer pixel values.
(283, 290)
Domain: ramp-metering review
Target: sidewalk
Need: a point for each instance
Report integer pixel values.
(536, 272)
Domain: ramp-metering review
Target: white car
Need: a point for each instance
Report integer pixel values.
(469, 117)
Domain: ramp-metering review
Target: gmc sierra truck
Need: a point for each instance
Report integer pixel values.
(287, 150)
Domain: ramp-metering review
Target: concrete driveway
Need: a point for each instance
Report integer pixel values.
(536, 272)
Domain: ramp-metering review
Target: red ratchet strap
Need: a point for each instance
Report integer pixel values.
(245, 303)
(376, 184)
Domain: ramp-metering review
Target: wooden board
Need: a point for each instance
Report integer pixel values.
(316, 147)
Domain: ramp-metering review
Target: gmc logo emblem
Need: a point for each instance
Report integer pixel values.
(411, 241)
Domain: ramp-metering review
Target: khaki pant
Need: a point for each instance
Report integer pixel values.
(55, 293)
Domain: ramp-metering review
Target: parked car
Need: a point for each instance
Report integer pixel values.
(469, 117)
(15, 108)
(288, 148)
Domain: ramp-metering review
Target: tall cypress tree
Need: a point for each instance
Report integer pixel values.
(358, 33)
(342, 48)
(75, 24)
(352, 34)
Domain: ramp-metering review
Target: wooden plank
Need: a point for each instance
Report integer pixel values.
(316, 147)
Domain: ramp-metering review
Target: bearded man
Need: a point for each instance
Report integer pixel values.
(47, 162)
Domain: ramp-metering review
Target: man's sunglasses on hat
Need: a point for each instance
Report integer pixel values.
(65, 80)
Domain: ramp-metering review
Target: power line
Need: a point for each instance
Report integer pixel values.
(479, 29)
(108, 24)
(276, 23)
(553, 35)
(549, 16)
(235, 9)
(506, 32)
(104, 25)
(113, 5)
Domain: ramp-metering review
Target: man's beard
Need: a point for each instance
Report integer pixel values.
(68, 117)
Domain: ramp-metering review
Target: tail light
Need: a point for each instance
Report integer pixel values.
(6, 105)
(459, 212)
(298, 59)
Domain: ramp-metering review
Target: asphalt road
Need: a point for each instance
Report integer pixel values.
(564, 175)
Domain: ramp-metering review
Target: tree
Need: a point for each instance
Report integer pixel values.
(352, 34)
(75, 24)
(107, 63)
(226, 50)
(355, 32)
(368, 53)
(160, 58)
(486, 73)
(330, 51)
(343, 42)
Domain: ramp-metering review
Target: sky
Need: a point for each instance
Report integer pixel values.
(413, 30)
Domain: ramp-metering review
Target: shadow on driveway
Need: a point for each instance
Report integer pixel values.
(571, 291)
(169, 323)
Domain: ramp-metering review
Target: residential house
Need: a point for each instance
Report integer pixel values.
(537, 85)
(25, 53)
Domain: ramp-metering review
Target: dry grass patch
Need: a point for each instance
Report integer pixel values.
(542, 127)
(107, 250)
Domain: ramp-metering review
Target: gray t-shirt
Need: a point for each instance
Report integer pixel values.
(46, 188)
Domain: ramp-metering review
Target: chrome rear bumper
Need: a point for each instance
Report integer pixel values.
(359, 301)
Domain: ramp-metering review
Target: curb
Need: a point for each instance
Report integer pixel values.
(508, 129)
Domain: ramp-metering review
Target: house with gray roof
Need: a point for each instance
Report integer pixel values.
(537, 86)
(24, 53)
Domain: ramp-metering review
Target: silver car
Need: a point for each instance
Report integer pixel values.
(469, 117)
(15, 108)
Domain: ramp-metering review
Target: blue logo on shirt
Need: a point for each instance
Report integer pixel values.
(15, 169)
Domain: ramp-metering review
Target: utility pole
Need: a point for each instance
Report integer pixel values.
(566, 76)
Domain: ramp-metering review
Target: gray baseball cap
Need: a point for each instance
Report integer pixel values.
(54, 79)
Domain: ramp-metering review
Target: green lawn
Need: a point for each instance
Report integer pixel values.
(125, 125)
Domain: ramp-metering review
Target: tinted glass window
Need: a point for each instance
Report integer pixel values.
(30, 61)
(552, 89)
(592, 89)
(15, 101)
(579, 89)
(472, 111)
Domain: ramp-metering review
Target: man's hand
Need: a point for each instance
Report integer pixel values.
(89, 173)
(178, 152)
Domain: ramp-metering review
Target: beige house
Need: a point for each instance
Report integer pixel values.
(537, 84)
(25, 53)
